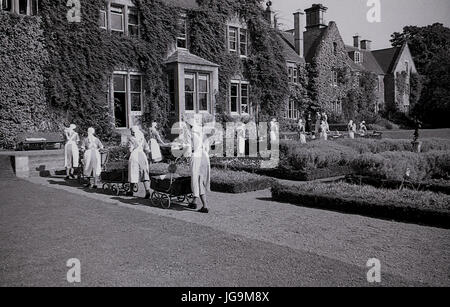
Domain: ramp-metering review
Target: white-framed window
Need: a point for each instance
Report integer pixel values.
(128, 96)
(238, 41)
(358, 57)
(197, 91)
(243, 42)
(233, 39)
(292, 111)
(117, 19)
(23, 7)
(182, 34)
(291, 74)
(103, 17)
(239, 97)
(295, 75)
(133, 22)
(334, 78)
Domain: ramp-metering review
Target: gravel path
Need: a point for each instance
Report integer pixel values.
(416, 253)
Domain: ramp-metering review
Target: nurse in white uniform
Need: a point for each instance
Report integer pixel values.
(71, 151)
(92, 158)
(138, 166)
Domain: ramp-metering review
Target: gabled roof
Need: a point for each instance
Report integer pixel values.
(289, 49)
(369, 63)
(185, 57)
(185, 4)
(387, 58)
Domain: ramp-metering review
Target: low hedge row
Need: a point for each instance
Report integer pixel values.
(437, 186)
(378, 146)
(408, 206)
(224, 181)
(394, 165)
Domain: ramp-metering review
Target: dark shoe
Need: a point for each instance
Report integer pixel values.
(192, 206)
(204, 210)
(147, 195)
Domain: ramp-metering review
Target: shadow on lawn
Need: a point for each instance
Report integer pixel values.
(135, 201)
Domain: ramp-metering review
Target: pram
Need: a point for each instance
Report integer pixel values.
(115, 179)
(171, 187)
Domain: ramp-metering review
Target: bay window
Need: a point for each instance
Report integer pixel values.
(197, 92)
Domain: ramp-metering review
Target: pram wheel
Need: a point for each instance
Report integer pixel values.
(165, 201)
(105, 187)
(115, 189)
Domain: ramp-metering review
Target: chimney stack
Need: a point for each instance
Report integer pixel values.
(356, 40)
(366, 44)
(298, 33)
(315, 16)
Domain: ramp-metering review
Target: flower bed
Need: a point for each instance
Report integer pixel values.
(409, 206)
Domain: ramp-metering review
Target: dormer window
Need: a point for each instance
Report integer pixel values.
(182, 32)
(23, 7)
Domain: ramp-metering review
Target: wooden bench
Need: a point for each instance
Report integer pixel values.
(39, 141)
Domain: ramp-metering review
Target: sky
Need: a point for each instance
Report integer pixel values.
(351, 16)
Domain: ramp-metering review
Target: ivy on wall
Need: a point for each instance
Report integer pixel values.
(22, 60)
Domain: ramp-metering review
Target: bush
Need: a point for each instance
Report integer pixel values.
(393, 165)
(224, 181)
(384, 145)
(410, 206)
(314, 155)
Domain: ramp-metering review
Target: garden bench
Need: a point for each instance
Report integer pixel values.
(39, 140)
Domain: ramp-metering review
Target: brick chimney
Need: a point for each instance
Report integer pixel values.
(298, 33)
(366, 44)
(356, 40)
(315, 16)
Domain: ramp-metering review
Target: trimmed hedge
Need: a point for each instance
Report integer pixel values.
(377, 146)
(393, 165)
(437, 186)
(408, 206)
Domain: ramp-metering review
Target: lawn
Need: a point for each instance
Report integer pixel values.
(425, 134)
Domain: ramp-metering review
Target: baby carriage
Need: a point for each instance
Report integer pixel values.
(171, 187)
(115, 179)
(104, 157)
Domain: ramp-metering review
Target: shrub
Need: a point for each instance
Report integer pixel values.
(393, 165)
(318, 154)
(384, 145)
(406, 205)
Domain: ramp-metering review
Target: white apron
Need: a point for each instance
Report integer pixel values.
(200, 165)
(71, 152)
(241, 141)
(138, 167)
(92, 160)
(155, 150)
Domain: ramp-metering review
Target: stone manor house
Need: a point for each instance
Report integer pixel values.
(194, 81)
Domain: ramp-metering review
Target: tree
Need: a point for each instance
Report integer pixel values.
(430, 48)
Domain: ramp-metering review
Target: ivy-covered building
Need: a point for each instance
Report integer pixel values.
(112, 64)
(399, 68)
